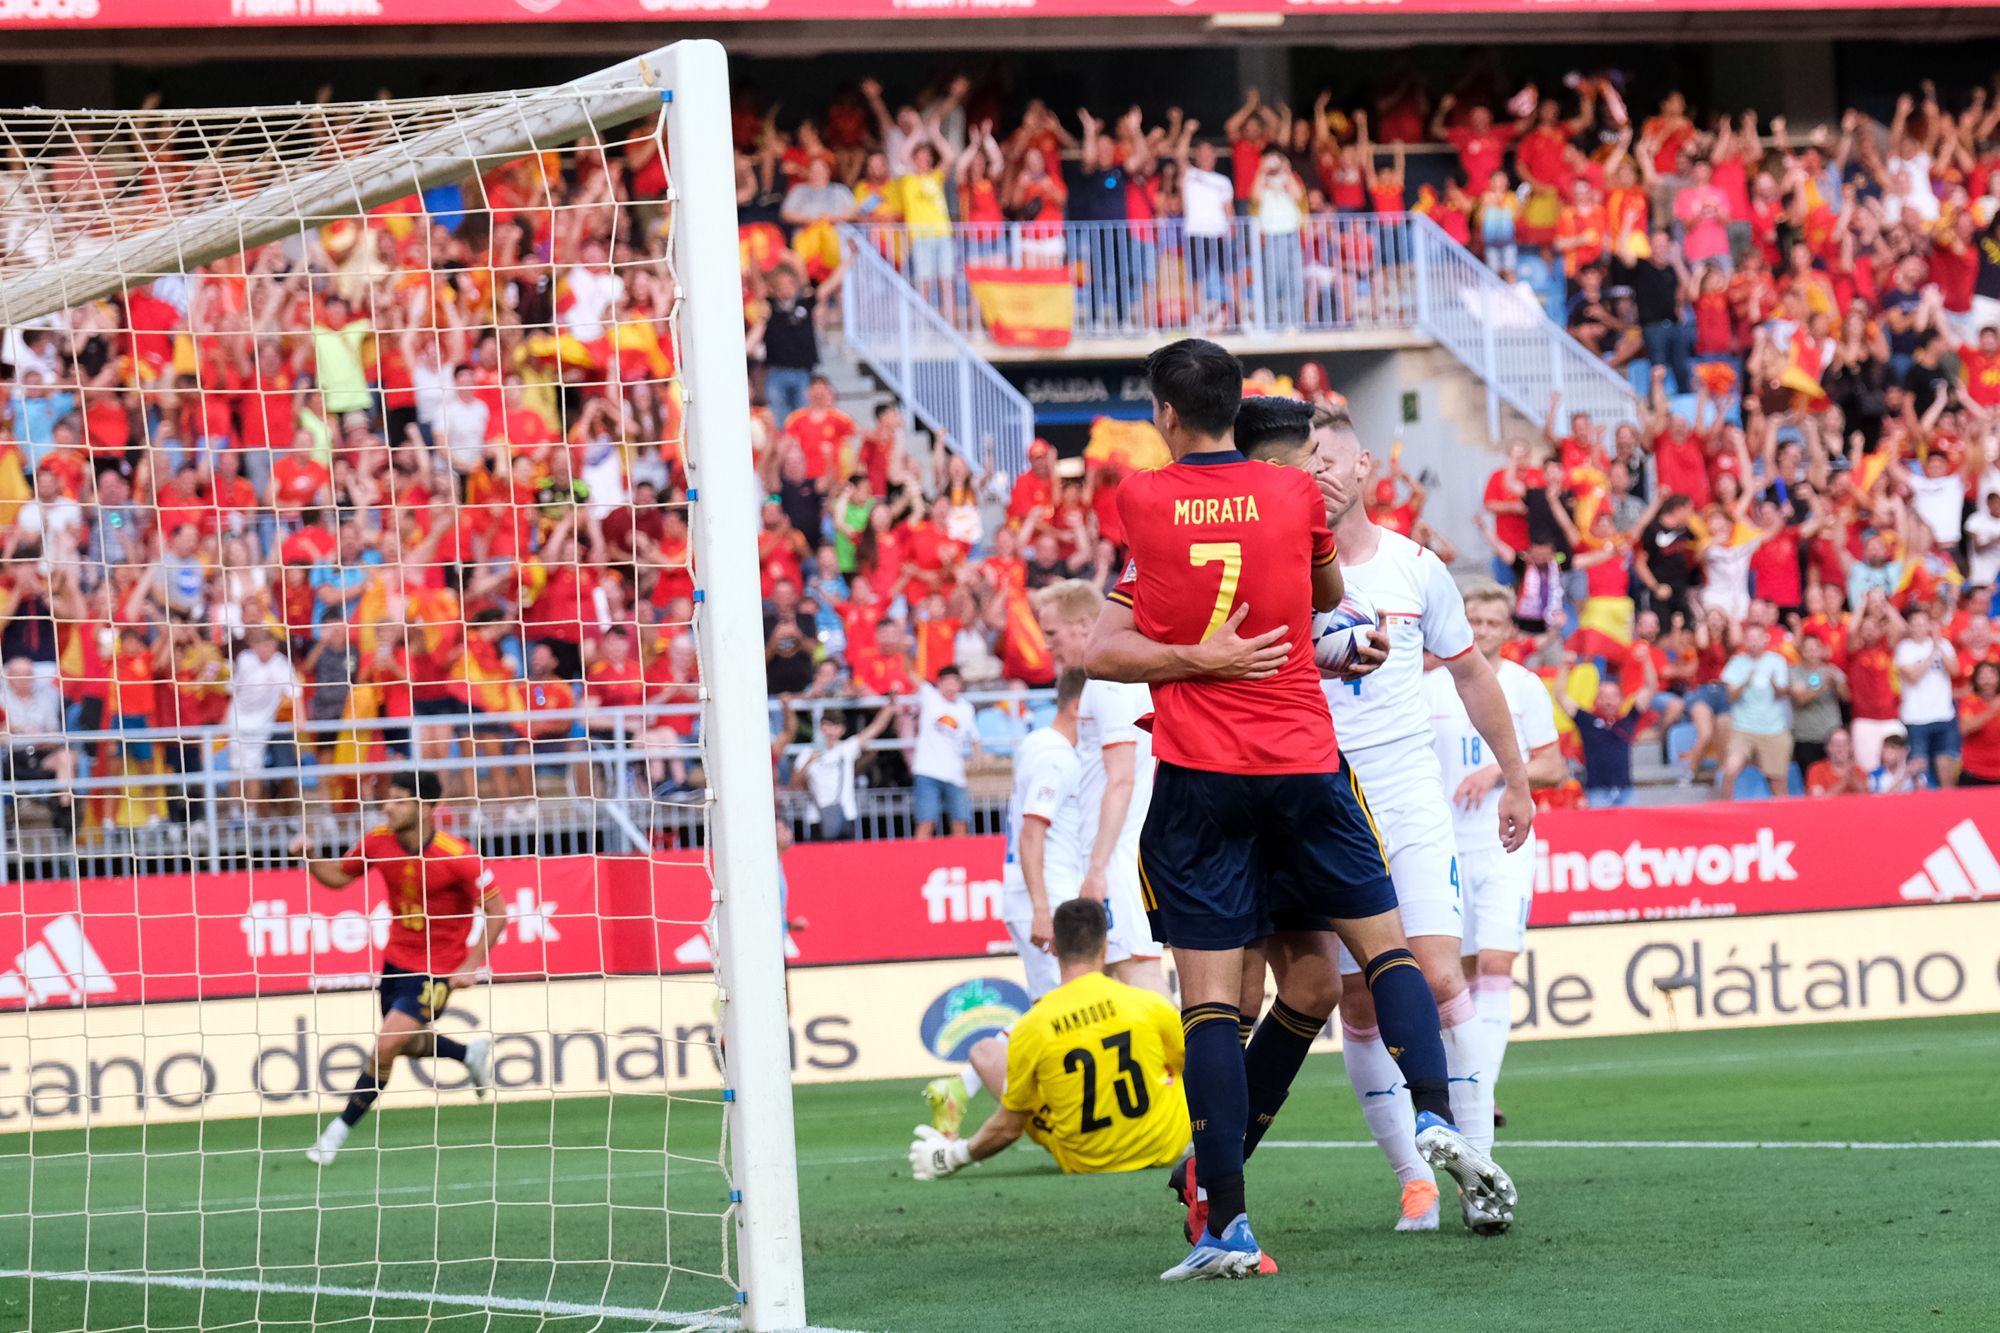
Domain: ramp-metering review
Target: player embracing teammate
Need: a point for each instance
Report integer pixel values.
(1258, 829)
(1386, 736)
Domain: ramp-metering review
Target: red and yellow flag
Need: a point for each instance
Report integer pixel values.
(1025, 307)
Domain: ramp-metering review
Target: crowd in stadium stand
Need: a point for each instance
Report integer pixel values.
(425, 467)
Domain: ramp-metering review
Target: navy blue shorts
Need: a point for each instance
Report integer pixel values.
(1225, 858)
(420, 996)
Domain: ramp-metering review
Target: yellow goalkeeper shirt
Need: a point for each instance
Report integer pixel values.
(1095, 1066)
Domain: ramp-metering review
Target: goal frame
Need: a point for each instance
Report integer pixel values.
(689, 82)
(736, 736)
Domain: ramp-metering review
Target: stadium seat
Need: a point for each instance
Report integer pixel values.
(1795, 782)
(1680, 739)
(997, 731)
(1043, 715)
(1751, 786)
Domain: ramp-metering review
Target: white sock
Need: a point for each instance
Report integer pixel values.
(969, 1076)
(1465, 1064)
(335, 1133)
(1385, 1101)
(1493, 997)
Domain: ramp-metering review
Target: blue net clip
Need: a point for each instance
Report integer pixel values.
(666, 94)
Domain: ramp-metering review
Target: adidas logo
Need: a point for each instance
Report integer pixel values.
(1963, 868)
(59, 968)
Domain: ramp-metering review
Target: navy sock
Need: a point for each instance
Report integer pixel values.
(366, 1089)
(1407, 1013)
(1272, 1062)
(1218, 1106)
(448, 1048)
(1245, 1026)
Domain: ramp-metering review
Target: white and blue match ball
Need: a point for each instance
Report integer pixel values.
(1337, 633)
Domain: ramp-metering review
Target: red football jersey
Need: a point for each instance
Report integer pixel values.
(432, 897)
(1207, 533)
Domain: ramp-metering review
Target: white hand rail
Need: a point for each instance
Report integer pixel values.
(1507, 339)
(944, 383)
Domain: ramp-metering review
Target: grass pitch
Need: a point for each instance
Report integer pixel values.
(1646, 1204)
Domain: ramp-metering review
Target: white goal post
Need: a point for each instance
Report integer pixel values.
(294, 169)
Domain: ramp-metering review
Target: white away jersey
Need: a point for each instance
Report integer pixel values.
(1419, 605)
(1047, 774)
(1461, 750)
(1108, 714)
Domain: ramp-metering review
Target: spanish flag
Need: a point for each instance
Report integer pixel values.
(1025, 307)
(1024, 653)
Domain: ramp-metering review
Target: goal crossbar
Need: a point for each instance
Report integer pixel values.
(90, 268)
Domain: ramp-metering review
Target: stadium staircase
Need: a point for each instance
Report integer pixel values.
(945, 385)
(1519, 353)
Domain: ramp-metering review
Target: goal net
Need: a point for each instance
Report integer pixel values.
(386, 761)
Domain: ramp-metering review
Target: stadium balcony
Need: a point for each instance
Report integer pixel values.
(1006, 293)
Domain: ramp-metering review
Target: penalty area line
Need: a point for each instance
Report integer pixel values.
(1850, 1145)
(686, 1319)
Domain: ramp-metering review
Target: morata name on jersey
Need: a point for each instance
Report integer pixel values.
(1223, 509)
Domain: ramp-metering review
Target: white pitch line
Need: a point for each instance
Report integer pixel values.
(686, 1319)
(1941, 1145)
(181, 1282)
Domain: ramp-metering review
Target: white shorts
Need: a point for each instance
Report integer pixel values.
(1404, 789)
(1499, 889)
(1131, 933)
(1044, 973)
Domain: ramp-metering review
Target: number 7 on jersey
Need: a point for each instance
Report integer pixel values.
(1230, 554)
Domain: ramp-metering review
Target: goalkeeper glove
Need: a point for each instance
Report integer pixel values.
(934, 1155)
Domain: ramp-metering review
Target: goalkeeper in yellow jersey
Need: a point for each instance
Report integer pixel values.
(1091, 1072)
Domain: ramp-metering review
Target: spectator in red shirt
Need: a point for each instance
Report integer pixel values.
(927, 546)
(879, 444)
(1979, 364)
(1481, 145)
(1034, 489)
(1837, 774)
(888, 669)
(1506, 500)
(1979, 728)
(299, 481)
(1871, 679)
(824, 432)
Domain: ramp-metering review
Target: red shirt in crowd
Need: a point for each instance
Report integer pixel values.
(297, 480)
(1682, 466)
(1510, 528)
(1480, 154)
(614, 685)
(1871, 680)
(882, 673)
(826, 436)
(1981, 748)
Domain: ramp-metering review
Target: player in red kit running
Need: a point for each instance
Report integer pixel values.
(435, 885)
(1257, 828)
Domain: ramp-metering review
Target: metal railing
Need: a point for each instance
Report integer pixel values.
(918, 353)
(596, 794)
(1506, 338)
(1139, 279)
(1342, 273)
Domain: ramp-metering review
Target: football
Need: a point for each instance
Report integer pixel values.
(1336, 633)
